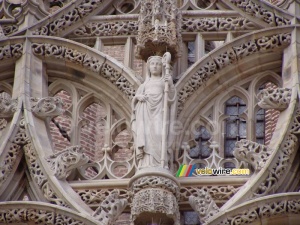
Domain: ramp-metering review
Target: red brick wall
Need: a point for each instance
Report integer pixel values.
(92, 135)
(59, 142)
(115, 51)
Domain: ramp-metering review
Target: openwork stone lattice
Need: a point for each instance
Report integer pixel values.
(13, 151)
(108, 29)
(218, 193)
(11, 51)
(109, 210)
(189, 24)
(39, 213)
(204, 205)
(274, 98)
(232, 55)
(216, 24)
(87, 61)
(47, 107)
(284, 157)
(251, 213)
(69, 18)
(253, 153)
(94, 197)
(62, 163)
(39, 177)
(255, 10)
(9, 29)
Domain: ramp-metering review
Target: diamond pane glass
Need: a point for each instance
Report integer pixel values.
(231, 110)
(231, 130)
(229, 147)
(260, 129)
(242, 129)
(194, 152)
(191, 218)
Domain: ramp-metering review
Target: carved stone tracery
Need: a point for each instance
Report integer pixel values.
(265, 208)
(204, 205)
(87, 61)
(38, 176)
(231, 56)
(279, 168)
(256, 10)
(109, 210)
(11, 51)
(69, 18)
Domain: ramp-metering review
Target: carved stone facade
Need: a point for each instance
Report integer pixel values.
(69, 74)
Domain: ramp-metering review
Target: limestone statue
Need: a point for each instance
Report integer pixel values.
(153, 113)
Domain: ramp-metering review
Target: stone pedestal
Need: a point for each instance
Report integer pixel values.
(155, 196)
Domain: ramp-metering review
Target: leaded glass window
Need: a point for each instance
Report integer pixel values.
(235, 125)
(201, 150)
(260, 126)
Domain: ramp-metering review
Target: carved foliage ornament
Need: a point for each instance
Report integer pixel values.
(109, 210)
(218, 193)
(261, 211)
(38, 216)
(283, 161)
(204, 205)
(62, 163)
(11, 51)
(9, 29)
(13, 151)
(231, 56)
(39, 177)
(216, 24)
(253, 153)
(188, 25)
(108, 29)
(87, 61)
(69, 18)
(96, 196)
(8, 106)
(274, 98)
(256, 10)
(47, 107)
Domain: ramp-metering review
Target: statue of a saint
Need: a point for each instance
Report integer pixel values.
(148, 107)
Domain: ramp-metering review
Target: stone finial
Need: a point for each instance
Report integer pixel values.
(159, 27)
(63, 162)
(204, 205)
(47, 107)
(274, 98)
(110, 209)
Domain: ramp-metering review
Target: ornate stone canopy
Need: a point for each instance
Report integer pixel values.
(67, 81)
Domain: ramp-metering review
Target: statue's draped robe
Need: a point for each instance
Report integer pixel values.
(147, 122)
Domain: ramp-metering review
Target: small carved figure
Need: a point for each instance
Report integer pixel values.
(148, 120)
